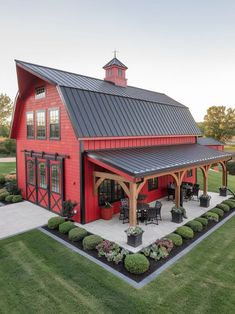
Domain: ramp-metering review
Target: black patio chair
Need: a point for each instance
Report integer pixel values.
(196, 189)
(170, 192)
(158, 206)
(124, 204)
(125, 217)
(151, 216)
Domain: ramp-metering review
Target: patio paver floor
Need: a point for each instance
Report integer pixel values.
(114, 230)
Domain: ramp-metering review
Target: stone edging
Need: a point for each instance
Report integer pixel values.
(152, 276)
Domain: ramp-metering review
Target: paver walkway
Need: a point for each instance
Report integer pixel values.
(21, 217)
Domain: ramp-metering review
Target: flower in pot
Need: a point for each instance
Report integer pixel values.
(68, 209)
(107, 211)
(177, 214)
(134, 236)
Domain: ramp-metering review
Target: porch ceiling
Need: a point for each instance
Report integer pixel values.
(144, 161)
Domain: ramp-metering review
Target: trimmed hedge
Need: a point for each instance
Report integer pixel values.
(77, 234)
(3, 196)
(54, 222)
(218, 211)
(202, 220)
(90, 242)
(185, 232)
(17, 198)
(136, 263)
(175, 238)
(9, 198)
(195, 225)
(230, 203)
(224, 207)
(2, 180)
(3, 190)
(211, 216)
(65, 227)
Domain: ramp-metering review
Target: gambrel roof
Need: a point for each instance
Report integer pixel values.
(98, 108)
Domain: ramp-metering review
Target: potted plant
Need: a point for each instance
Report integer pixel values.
(134, 236)
(177, 214)
(107, 211)
(205, 200)
(68, 209)
(223, 191)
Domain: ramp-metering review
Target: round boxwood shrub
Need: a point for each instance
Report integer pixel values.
(202, 220)
(77, 234)
(175, 238)
(65, 227)
(90, 242)
(9, 198)
(54, 222)
(3, 196)
(2, 180)
(218, 211)
(195, 225)
(136, 263)
(224, 207)
(185, 232)
(211, 216)
(17, 198)
(230, 203)
(3, 190)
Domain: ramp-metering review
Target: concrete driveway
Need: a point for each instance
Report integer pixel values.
(21, 217)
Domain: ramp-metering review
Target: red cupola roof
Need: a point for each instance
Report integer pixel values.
(115, 72)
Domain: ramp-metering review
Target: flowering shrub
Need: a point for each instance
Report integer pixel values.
(160, 249)
(111, 251)
(134, 230)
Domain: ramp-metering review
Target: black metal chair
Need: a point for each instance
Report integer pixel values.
(124, 204)
(170, 192)
(158, 206)
(125, 217)
(153, 214)
(196, 189)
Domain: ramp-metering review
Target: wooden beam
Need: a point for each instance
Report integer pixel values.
(111, 176)
(133, 204)
(125, 188)
(140, 186)
(97, 184)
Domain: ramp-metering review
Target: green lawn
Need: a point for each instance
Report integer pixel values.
(215, 181)
(7, 167)
(229, 148)
(39, 275)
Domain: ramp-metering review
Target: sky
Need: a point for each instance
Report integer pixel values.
(185, 49)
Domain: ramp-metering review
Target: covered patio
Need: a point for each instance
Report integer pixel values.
(114, 230)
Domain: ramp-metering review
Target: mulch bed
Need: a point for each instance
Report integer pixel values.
(153, 265)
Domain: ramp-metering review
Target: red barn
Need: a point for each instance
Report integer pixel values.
(84, 139)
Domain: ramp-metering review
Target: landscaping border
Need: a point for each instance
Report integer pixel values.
(153, 275)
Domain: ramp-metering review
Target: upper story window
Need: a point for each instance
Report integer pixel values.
(109, 72)
(153, 184)
(40, 92)
(119, 72)
(41, 124)
(54, 123)
(190, 173)
(30, 124)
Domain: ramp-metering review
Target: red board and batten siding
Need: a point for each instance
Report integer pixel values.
(91, 201)
(67, 145)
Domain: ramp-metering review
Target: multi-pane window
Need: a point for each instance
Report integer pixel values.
(119, 72)
(42, 175)
(110, 191)
(40, 92)
(109, 72)
(55, 178)
(30, 124)
(30, 172)
(190, 173)
(54, 121)
(152, 184)
(41, 124)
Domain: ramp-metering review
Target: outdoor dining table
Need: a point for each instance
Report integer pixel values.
(142, 209)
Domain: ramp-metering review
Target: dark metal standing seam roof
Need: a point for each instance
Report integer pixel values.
(209, 141)
(99, 108)
(114, 61)
(142, 161)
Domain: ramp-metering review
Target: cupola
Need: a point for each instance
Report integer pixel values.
(115, 72)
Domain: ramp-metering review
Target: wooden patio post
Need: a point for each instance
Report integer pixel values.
(205, 180)
(225, 175)
(133, 204)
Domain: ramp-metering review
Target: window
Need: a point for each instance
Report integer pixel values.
(42, 176)
(55, 178)
(54, 121)
(40, 92)
(41, 124)
(30, 124)
(190, 173)
(153, 184)
(30, 171)
(110, 191)
(109, 72)
(119, 72)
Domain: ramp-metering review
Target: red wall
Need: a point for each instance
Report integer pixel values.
(68, 143)
(91, 200)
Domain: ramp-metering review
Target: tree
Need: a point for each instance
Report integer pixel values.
(201, 126)
(219, 123)
(6, 107)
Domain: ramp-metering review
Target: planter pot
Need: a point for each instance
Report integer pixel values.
(205, 201)
(223, 191)
(134, 240)
(106, 213)
(177, 217)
